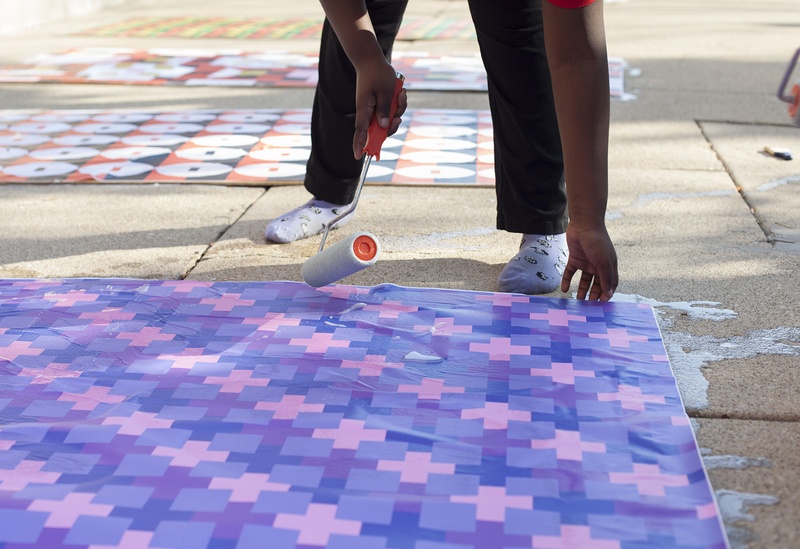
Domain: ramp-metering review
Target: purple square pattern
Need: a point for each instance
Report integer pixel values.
(139, 413)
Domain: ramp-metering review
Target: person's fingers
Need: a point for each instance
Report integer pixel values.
(395, 126)
(365, 110)
(584, 285)
(402, 103)
(566, 278)
(383, 110)
(359, 142)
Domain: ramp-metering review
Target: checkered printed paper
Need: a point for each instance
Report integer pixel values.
(198, 67)
(181, 414)
(232, 147)
(414, 28)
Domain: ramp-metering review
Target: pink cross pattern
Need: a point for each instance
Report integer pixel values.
(137, 423)
(561, 372)
(503, 300)
(226, 302)
(557, 317)
(630, 397)
(568, 445)
(499, 348)
(372, 365)
(317, 525)
(192, 453)
(573, 536)
(444, 327)
(619, 337)
(350, 434)
(319, 342)
(18, 348)
(26, 472)
(236, 381)
(63, 514)
(680, 420)
(416, 467)
(71, 298)
(707, 511)
(131, 539)
(145, 336)
(390, 308)
(49, 373)
(247, 488)
(429, 389)
(492, 502)
(649, 479)
(344, 292)
(496, 415)
(107, 316)
(272, 321)
(189, 358)
(289, 407)
(91, 398)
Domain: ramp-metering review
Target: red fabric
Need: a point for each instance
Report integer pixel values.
(571, 3)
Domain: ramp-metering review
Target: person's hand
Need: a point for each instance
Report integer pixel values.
(375, 86)
(591, 252)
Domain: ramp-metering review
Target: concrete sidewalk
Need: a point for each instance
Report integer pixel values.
(706, 227)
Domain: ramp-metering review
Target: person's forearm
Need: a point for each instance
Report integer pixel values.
(576, 52)
(350, 21)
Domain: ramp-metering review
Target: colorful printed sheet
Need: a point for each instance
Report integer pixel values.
(268, 414)
(237, 147)
(414, 28)
(193, 67)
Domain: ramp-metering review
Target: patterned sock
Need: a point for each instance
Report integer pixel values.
(538, 266)
(307, 220)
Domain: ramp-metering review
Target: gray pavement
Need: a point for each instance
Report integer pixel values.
(707, 228)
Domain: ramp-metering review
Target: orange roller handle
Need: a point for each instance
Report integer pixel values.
(376, 135)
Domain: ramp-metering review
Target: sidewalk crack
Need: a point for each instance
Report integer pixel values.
(770, 236)
(222, 233)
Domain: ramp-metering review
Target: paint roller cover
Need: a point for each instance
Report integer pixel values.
(346, 257)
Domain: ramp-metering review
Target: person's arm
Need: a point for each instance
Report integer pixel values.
(576, 53)
(375, 77)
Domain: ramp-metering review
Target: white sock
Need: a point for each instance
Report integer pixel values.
(307, 220)
(538, 266)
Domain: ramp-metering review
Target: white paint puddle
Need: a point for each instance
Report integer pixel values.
(353, 308)
(735, 507)
(414, 356)
(334, 325)
(698, 310)
(734, 462)
(688, 355)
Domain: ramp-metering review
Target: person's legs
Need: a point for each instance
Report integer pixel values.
(529, 170)
(331, 172)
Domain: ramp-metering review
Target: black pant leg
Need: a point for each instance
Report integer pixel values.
(531, 193)
(332, 172)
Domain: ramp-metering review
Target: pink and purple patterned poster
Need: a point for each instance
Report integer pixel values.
(145, 413)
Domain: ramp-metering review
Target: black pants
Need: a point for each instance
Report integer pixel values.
(529, 171)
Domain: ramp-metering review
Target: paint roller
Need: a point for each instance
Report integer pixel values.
(362, 249)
